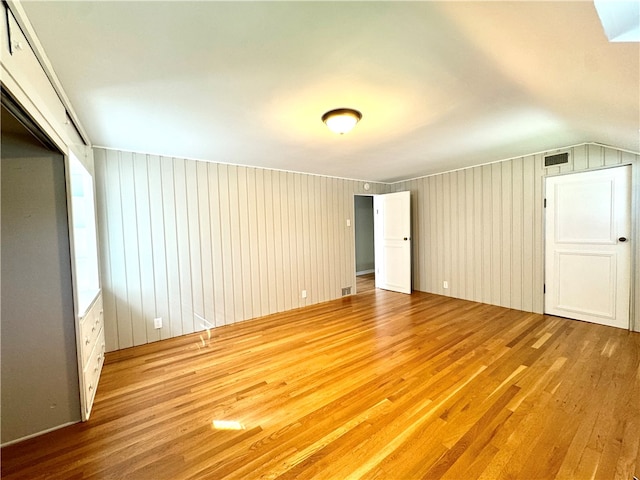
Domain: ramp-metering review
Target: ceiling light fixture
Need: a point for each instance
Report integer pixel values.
(341, 120)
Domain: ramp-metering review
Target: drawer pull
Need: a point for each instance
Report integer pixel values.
(90, 387)
(87, 341)
(93, 329)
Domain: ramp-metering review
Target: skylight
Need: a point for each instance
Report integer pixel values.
(620, 19)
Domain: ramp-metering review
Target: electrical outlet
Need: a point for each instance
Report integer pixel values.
(445, 284)
(304, 294)
(348, 222)
(157, 323)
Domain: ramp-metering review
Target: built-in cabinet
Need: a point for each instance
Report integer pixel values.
(53, 339)
(91, 348)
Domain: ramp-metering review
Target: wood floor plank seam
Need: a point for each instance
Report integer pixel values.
(377, 385)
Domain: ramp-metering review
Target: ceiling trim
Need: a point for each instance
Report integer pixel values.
(241, 165)
(516, 157)
(363, 179)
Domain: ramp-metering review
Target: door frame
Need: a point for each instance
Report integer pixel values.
(353, 239)
(634, 232)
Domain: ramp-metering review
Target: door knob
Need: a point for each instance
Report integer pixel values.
(622, 239)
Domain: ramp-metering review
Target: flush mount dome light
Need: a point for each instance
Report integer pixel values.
(341, 120)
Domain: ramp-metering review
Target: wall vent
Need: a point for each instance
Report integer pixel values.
(557, 159)
(346, 291)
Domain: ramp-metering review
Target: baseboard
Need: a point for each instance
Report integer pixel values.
(364, 272)
(22, 439)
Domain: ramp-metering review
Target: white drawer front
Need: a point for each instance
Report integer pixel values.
(92, 370)
(90, 326)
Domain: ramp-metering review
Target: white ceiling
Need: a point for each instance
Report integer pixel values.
(441, 85)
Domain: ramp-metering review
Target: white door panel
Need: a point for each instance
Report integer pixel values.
(584, 212)
(392, 226)
(588, 255)
(593, 286)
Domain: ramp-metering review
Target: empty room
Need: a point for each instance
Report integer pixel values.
(329, 240)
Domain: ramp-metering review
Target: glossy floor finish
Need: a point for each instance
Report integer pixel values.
(378, 385)
(365, 283)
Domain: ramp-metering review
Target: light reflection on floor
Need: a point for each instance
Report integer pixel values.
(227, 425)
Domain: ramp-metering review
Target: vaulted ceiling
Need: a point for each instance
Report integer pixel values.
(441, 85)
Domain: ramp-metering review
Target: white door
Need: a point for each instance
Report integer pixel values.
(392, 230)
(588, 253)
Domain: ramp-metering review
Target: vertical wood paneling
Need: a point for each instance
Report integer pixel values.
(184, 253)
(538, 233)
(496, 238)
(445, 224)
(254, 245)
(315, 253)
(595, 158)
(105, 251)
(506, 231)
(327, 202)
(416, 253)
(244, 244)
(487, 232)
(236, 244)
(461, 232)
(145, 247)
(294, 237)
(131, 249)
(285, 272)
(579, 158)
(334, 227)
(195, 255)
(478, 239)
(432, 255)
(470, 239)
(217, 260)
(182, 238)
(159, 246)
(226, 244)
(229, 243)
(483, 227)
(420, 237)
(279, 266)
(321, 226)
(517, 219)
(171, 248)
(344, 256)
(439, 227)
(329, 197)
(206, 246)
(302, 213)
(528, 195)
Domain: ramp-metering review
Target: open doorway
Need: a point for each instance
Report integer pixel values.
(364, 243)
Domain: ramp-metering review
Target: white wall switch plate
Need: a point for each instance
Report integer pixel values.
(157, 323)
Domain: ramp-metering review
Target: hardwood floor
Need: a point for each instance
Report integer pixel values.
(377, 385)
(365, 283)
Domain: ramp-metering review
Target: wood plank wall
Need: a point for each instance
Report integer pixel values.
(481, 228)
(182, 239)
